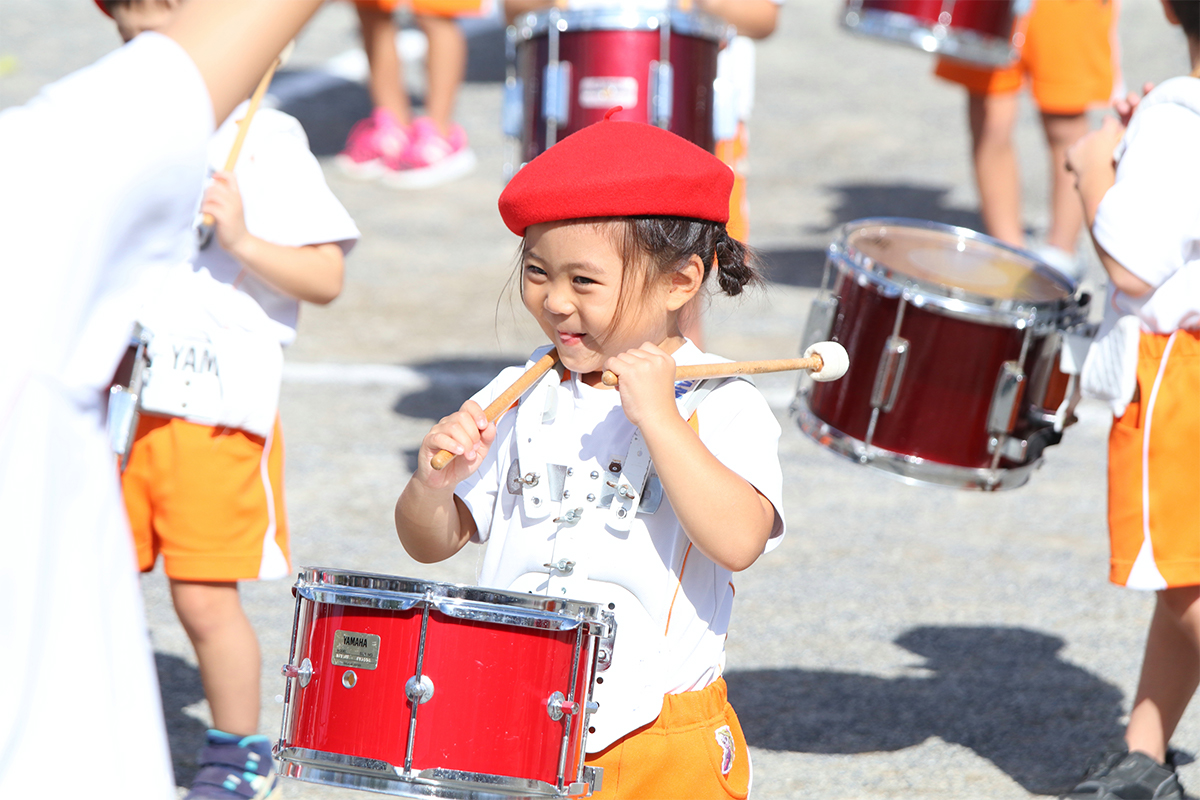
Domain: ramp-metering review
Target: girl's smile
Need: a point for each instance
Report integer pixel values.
(571, 281)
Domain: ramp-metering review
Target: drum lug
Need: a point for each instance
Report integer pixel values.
(662, 87)
(303, 673)
(513, 111)
(556, 93)
(820, 321)
(419, 691)
(1006, 399)
(891, 370)
(604, 647)
(593, 781)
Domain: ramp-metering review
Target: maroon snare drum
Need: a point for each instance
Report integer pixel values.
(424, 689)
(980, 31)
(567, 68)
(954, 342)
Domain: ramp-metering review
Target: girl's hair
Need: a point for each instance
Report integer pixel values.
(655, 247)
(1188, 12)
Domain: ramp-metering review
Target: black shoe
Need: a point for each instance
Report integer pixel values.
(1126, 776)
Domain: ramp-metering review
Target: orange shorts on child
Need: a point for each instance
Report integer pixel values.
(210, 500)
(435, 8)
(1154, 469)
(695, 750)
(1067, 54)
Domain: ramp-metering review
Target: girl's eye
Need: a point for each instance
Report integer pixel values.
(583, 280)
(531, 270)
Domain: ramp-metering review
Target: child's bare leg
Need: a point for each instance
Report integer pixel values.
(386, 83)
(447, 66)
(1066, 212)
(1170, 671)
(992, 119)
(226, 649)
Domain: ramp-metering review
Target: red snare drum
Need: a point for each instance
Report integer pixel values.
(981, 31)
(425, 689)
(954, 343)
(567, 68)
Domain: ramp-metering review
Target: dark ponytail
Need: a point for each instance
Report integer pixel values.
(663, 244)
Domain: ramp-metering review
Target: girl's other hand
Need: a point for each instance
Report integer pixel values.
(646, 381)
(1092, 155)
(467, 434)
(1125, 106)
(224, 201)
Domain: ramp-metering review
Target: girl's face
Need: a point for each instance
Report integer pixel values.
(571, 277)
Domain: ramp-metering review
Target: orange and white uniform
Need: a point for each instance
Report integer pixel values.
(1068, 54)
(664, 728)
(204, 481)
(1149, 221)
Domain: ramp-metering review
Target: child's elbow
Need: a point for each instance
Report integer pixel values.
(1130, 285)
(333, 276)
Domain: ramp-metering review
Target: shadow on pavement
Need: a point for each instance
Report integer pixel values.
(180, 685)
(1003, 692)
(804, 266)
(452, 382)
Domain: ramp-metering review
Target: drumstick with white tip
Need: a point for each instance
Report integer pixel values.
(205, 231)
(497, 407)
(825, 361)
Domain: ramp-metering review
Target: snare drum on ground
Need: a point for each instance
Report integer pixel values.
(568, 68)
(424, 689)
(980, 31)
(954, 341)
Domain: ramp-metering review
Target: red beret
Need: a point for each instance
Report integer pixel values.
(618, 169)
(103, 7)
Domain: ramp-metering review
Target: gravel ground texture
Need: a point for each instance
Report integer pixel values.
(903, 642)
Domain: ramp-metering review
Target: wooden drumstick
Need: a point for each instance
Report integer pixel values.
(497, 407)
(205, 231)
(826, 360)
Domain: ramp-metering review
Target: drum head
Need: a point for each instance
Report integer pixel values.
(953, 262)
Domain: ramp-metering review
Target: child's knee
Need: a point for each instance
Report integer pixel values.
(203, 608)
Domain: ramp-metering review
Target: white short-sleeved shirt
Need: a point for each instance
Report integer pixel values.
(1149, 221)
(672, 603)
(285, 201)
(80, 217)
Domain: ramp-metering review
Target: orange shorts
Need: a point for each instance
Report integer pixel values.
(1067, 55)
(695, 750)
(435, 8)
(209, 499)
(1154, 469)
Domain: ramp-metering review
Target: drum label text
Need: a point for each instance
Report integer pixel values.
(604, 92)
(352, 649)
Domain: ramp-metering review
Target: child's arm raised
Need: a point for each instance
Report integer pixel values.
(432, 523)
(723, 515)
(1091, 160)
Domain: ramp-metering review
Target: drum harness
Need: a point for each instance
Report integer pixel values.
(629, 487)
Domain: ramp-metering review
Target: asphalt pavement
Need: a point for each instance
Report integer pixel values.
(902, 642)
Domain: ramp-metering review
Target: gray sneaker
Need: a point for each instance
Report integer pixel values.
(1125, 776)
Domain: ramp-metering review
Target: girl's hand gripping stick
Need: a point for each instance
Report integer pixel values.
(497, 407)
(826, 361)
(204, 232)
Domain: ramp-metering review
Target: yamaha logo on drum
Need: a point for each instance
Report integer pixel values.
(353, 649)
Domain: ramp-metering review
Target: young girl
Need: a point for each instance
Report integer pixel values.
(645, 498)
